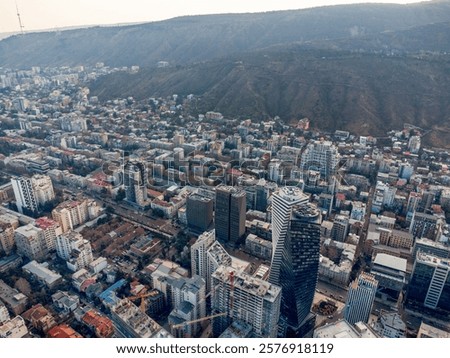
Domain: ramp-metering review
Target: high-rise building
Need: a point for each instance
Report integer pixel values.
(6, 238)
(230, 214)
(31, 193)
(188, 298)
(51, 230)
(199, 212)
(69, 214)
(320, 156)
(245, 298)
(73, 248)
(430, 281)
(198, 254)
(340, 228)
(361, 295)
(295, 256)
(135, 182)
(24, 194)
(30, 242)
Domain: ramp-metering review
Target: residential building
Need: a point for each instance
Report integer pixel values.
(320, 156)
(76, 250)
(135, 182)
(30, 242)
(15, 301)
(51, 230)
(6, 238)
(14, 328)
(70, 214)
(245, 298)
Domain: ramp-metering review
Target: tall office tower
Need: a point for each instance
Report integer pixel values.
(361, 295)
(135, 182)
(230, 214)
(320, 156)
(24, 194)
(73, 248)
(199, 212)
(430, 281)
(30, 193)
(245, 298)
(6, 238)
(295, 257)
(30, 242)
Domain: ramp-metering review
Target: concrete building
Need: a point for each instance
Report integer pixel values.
(6, 238)
(32, 193)
(24, 194)
(430, 281)
(343, 329)
(390, 325)
(42, 273)
(424, 225)
(428, 331)
(245, 298)
(135, 182)
(199, 212)
(295, 258)
(229, 214)
(431, 247)
(73, 248)
(361, 295)
(30, 242)
(320, 156)
(134, 323)
(15, 301)
(189, 304)
(4, 314)
(199, 263)
(14, 328)
(51, 230)
(390, 272)
(339, 231)
(258, 247)
(71, 214)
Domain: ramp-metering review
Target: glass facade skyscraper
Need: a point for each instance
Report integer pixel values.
(295, 257)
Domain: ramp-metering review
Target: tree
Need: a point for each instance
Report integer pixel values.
(120, 195)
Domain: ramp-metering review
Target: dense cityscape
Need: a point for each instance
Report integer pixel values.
(129, 218)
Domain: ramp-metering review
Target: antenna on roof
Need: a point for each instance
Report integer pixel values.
(20, 21)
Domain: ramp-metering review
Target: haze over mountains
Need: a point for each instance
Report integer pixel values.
(366, 68)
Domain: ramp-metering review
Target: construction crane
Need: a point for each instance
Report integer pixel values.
(20, 21)
(143, 296)
(230, 307)
(187, 323)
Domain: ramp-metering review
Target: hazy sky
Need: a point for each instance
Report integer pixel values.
(50, 14)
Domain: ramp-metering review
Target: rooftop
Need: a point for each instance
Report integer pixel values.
(392, 262)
